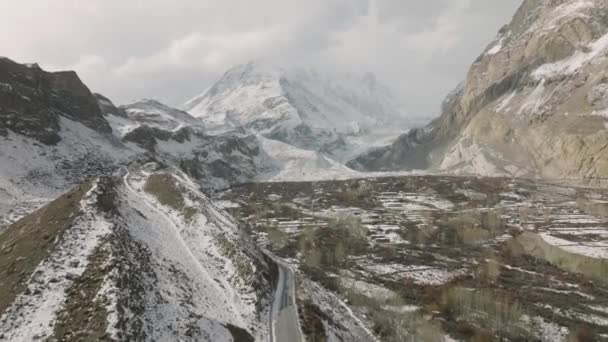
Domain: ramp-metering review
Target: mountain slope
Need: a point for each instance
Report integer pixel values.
(301, 107)
(145, 256)
(532, 104)
(53, 135)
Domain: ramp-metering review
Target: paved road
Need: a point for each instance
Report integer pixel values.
(284, 325)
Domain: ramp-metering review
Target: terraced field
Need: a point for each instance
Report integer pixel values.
(472, 258)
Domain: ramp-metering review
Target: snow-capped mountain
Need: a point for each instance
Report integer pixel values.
(299, 106)
(533, 103)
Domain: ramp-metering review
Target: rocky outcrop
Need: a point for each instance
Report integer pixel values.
(107, 107)
(214, 161)
(147, 137)
(533, 104)
(31, 101)
(155, 114)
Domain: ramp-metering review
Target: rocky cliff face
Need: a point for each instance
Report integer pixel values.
(32, 100)
(533, 104)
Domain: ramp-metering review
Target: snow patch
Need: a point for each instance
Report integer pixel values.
(503, 105)
(297, 164)
(598, 250)
(575, 62)
(496, 47)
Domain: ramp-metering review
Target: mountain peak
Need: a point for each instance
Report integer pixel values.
(32, 100)
(298, 105)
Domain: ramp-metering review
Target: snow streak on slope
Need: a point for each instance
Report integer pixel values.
(570, 65)
(33, 313)
(196, 245)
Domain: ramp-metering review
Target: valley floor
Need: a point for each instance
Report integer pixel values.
(430, 258)
(438, 257)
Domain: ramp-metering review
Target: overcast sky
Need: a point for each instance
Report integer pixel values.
(172, 50)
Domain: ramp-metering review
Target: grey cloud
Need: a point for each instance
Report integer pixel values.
(172, 50)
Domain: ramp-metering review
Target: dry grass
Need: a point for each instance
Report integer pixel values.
(166, 189)
(27, 242)
(243, 267)
(490, 309)
(84, 315)
(312, 319)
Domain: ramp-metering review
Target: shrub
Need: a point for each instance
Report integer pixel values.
(488, 308)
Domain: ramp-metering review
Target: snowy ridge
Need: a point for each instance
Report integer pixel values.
(146, 112)
(199, 249)
(158, 115)
(33, 313)
(171, 266)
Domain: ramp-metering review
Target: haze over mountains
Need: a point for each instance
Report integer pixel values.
(110, 222)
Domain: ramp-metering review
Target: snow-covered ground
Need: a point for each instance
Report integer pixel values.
(421, 275)
(196, 249)
(294, 164)
(32, 173)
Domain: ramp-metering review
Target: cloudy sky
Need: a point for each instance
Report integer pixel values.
(172, 50)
